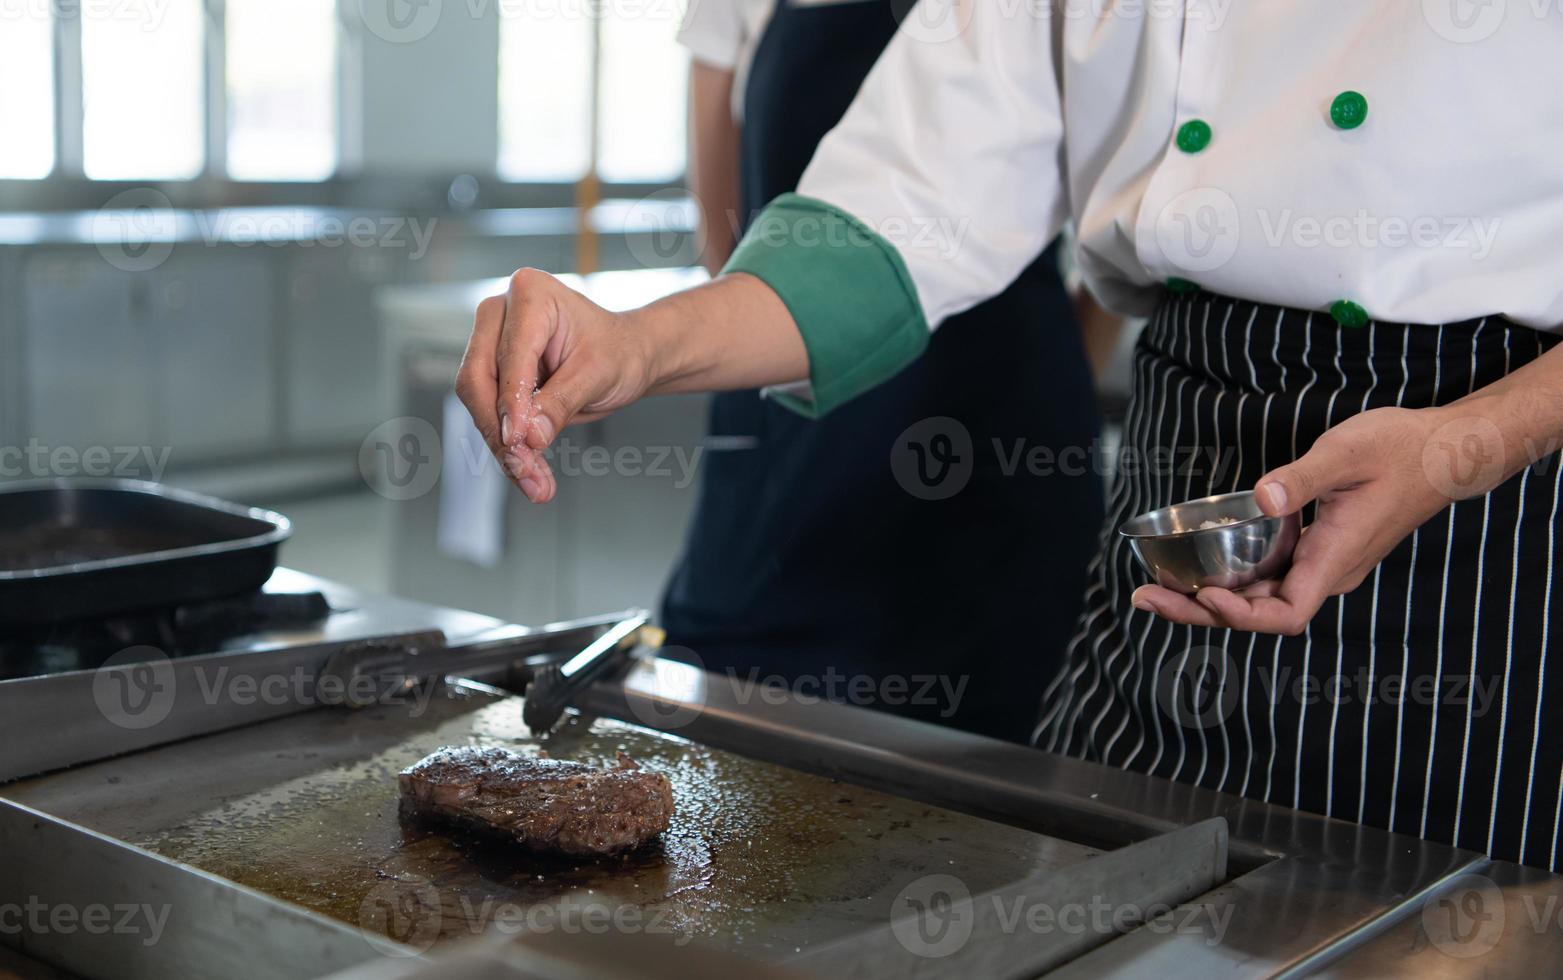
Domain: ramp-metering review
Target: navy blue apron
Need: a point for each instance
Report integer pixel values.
(923, 548)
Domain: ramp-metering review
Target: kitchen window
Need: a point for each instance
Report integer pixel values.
(26, 94)
(172, 90)
(545, 97)
(572, 70)
(281, 110)
(142, 75)
(590, 92)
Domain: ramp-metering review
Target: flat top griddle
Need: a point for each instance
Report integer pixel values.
(759, 859)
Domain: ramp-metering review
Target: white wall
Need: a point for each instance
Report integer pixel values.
(428, 85)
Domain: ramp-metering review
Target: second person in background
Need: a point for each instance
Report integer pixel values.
(915, 532)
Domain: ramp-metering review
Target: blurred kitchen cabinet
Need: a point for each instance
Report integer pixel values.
(525, 586)
(631, 481)
(87, 352)
(331, 344)
(627, 484)
(211, 313)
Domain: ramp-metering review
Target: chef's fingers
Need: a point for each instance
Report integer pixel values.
(1172, 605)
(1258, 590)
(529, 471)
(531, 319)
(1285, 608)
(566, 397)
(1334, 462)
(477, 383)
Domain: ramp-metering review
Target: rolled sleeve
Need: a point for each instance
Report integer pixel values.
(848, 291)
(953, 149)
(713, 32)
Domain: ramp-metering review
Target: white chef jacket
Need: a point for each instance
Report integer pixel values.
(723, 34)
(988, 123)
(1445, 204)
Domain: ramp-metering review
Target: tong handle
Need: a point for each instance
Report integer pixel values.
(555, 686)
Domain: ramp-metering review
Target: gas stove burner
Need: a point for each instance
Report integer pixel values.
(245, 614)
(175, 631)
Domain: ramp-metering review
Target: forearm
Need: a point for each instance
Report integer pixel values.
(713, 162)
(1517, 420)
(731, 333)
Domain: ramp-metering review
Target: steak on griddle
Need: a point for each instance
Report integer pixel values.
(548, 805)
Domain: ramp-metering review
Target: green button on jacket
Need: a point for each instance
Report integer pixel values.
(1349, 110)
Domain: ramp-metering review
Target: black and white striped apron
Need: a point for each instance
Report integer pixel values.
(1421, 702)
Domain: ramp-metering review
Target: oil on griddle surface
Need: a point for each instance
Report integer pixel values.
(758, 857)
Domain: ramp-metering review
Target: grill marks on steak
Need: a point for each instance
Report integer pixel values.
(550, 806)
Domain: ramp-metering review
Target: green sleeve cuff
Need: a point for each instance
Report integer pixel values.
(848, 291)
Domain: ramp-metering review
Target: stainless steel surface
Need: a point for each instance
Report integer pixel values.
(1153, 874)
(362, 674)
(1179, 550)
(142, 697)
(1308, 891)
(286, 804)
(760, 860)
(93, 906)
(578, 956)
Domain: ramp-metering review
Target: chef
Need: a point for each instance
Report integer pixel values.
(1345, 223)
(806, 554)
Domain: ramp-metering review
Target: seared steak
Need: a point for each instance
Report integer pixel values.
(548, 805)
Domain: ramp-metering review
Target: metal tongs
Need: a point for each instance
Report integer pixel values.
(554, 686)
(361, 673)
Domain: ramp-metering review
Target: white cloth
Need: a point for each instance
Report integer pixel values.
(988, 123)
(472, 492)
(723, 34)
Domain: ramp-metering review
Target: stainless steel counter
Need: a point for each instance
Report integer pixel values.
(1298, 894)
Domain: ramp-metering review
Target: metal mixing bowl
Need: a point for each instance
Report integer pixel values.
(1183, 556)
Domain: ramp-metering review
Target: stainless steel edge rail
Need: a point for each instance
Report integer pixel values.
(1308, 890)
(53, 864)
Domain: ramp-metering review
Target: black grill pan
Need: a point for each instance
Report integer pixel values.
(84, 549)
